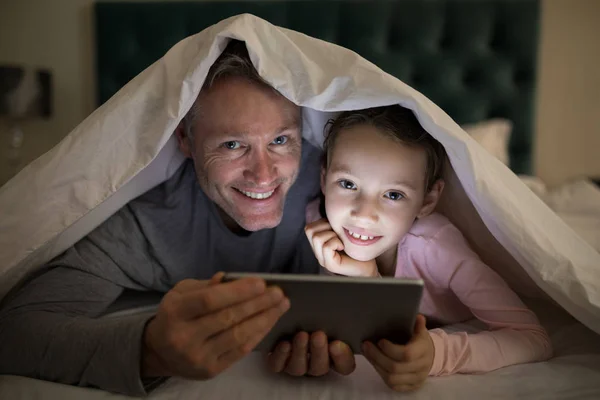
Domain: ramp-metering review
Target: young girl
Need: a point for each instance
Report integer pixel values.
(381, 180)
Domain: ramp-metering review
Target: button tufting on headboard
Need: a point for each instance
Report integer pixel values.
(475, 59)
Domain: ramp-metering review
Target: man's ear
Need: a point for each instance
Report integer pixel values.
(185, 146)
(431, 198)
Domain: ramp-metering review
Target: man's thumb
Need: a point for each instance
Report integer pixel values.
(216, 278)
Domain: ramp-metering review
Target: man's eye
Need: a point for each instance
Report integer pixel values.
(280, 140)
(394, 195)
(346, 184)
(232, 145)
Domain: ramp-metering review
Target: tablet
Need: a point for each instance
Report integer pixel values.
(345, 308)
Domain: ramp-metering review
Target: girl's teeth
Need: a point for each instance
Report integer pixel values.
(258, 196)
(361, 237)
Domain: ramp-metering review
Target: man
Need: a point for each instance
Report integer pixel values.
(237, 204)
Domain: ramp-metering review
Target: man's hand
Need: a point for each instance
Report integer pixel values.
(328, 249)
(403, 368)
(203, 327)
(312, 355)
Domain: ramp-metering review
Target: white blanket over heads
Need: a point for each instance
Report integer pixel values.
(127, 146)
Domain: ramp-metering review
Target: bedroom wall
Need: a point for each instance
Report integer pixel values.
(58, 34)
(568, 104)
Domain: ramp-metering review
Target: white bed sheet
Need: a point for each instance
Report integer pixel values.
(574, 373)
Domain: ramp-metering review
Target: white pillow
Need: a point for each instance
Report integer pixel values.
(493, 135)
(577, 202)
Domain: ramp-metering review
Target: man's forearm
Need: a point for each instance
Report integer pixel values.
(50, 330)
(103, 353)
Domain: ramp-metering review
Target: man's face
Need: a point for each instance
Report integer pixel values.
(246, 151)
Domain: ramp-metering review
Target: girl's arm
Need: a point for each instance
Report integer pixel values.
(515, 335)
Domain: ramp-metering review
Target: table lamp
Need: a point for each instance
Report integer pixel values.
(25, 94)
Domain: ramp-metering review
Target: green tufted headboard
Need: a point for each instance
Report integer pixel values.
(475, 59)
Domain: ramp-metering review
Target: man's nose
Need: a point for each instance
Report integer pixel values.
(261, 169)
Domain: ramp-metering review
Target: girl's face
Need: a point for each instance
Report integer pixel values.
(374, 190)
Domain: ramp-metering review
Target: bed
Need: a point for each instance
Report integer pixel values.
(477, 60)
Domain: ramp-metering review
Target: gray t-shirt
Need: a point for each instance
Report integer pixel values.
(49, 328)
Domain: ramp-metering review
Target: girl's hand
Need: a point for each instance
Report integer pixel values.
(403, 368)
(328, 249)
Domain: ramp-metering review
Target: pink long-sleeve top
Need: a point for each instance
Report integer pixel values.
(459, 286)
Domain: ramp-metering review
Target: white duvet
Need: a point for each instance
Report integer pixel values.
(126, 147)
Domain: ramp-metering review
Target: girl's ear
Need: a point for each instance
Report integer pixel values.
(323, 176)
(431, 198)
(322, 196)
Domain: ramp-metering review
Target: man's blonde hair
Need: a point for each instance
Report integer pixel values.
(234, 61)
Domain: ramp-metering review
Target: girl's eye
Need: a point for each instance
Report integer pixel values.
(280, 140)
(346, 184)
(394, 195)
(232, 145)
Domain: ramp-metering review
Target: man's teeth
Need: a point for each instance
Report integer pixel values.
(258, 196)
(361, 237)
